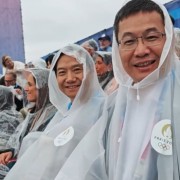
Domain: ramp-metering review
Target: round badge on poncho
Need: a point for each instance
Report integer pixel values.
(64, 137)
(161, 138)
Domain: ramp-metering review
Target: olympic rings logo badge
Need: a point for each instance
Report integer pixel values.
(164, 147)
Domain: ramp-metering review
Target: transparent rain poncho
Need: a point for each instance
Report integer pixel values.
(34, 122)
(9, 117)
(30, 129)
(137, 108)
(107, 76)
(177, 41)
(106, 80)
(45, 158)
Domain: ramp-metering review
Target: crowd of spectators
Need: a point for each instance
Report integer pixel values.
(92, 108)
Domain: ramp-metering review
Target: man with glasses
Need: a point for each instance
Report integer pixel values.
(10, 80)
(143, 134)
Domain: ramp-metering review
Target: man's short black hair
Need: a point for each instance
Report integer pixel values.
(49, 59)
(133, 7)
(55, 66)
(172, 20)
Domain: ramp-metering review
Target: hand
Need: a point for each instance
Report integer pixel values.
(18, 91)
(5, 157)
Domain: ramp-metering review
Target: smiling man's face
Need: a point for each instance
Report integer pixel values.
(69, 74)
(142, 60)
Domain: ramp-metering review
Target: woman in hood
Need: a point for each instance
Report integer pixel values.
(39, 114)
(103, 63)
(76, 93)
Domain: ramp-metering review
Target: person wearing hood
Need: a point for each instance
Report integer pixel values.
(38, 63)
(143, 135)
(35, 83)
(9, 117)
(76, 93)
(177, 42)
(91, 46)
(103, 63)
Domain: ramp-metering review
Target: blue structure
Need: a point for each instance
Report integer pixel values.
(173, 8)
(95, 36)
(11, 30)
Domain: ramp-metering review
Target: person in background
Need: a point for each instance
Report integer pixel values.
(38, 63)
(48, 61)
(91, 46)
(105, 43)
(177, 42)
(76, 93)
(10, 64)
(10, 80)
(29, 65)
(9, 117)
(38, 115)
(103, 64)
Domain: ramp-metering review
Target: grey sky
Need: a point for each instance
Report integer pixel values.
(50, 24)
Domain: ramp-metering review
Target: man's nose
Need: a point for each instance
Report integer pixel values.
(70, 76)
(141, 49)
